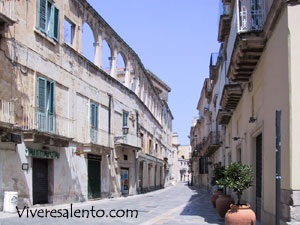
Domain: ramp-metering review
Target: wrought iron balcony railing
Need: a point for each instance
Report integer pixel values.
(7, 111)
(251, 15)
(212, 143)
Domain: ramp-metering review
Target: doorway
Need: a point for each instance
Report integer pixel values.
(94, 176)
(40, 181)
(125, 181)
(258, 176)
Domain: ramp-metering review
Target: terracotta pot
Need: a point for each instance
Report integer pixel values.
(214, 197)
(240, 215)
(223, 204)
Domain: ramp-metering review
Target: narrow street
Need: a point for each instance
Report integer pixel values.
(179, 204)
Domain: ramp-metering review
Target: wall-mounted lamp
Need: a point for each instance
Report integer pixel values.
(25, 166)
(252, 119)
(125, 130)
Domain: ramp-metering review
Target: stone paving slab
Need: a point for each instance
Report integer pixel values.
(178, 204)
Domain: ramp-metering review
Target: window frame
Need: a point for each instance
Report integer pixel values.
(48, 24)
(72, 32)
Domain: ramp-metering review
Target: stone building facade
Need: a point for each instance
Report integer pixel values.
(254, 74)
(70, 129)
(184, 155)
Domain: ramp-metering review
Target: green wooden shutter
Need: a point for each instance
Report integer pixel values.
(54, 23)
(41, 103)
(51, 28)
(125, 116)
(51, 109)
(94, 122)
(94, 115)
(42, 15)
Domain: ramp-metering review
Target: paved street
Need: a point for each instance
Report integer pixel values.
(174, 205)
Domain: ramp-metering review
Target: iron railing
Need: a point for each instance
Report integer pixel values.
(33, 119)
(129, 139)
(7, 111)
(100, 137)
(251, 15)
(213, 140)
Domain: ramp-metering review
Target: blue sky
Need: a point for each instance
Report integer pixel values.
(174, 39)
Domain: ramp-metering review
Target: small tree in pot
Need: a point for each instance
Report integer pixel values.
(239, 177)
(218, 174)
(223, 201)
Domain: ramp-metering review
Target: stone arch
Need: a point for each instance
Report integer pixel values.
(107, 55)
(89, 38)
(121, 58)
(122, 64)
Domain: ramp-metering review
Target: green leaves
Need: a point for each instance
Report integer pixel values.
(218, 174)
(237, 176)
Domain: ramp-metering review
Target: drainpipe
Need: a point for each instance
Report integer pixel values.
(278, 164)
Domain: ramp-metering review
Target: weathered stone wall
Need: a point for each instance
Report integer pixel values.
(27, 53)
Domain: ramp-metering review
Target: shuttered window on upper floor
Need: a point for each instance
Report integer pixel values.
(45, 105)
(48, 19)
(94, 116)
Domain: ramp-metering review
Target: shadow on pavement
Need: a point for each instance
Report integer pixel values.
(200, 205)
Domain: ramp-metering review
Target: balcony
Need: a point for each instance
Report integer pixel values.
(7, 113)
(131, 141)
(7, 122)
(224, 21)
(7, 13)
(249, 41)
(101, 137)
(46, 128)
(212, 143)
(213, 71)
(223, 117)
(208, 89)
(231, 96)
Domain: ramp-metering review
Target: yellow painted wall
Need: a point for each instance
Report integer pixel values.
(294, 76)
(270, 92)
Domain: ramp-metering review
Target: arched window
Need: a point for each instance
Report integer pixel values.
(88, 40)
(106, 56)
(182, 156)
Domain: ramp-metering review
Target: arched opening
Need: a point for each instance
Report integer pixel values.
(88, 40)
(106, 56)
(121, 68)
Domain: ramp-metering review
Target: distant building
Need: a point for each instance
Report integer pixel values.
(184, 153)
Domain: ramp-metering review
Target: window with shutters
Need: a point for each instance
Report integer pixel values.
(45, 105)
(125, 119)
(94, 123)
(203, 165)
(48, 19)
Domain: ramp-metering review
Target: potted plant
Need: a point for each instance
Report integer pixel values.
(79, 152)
(239, 177)
(223, 201)
(218, 174)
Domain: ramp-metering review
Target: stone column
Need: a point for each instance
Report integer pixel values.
(127, 74)
(98, 54)
(113, 67)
